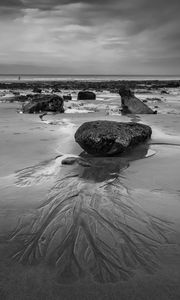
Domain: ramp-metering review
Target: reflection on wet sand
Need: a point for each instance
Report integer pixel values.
(38, 173)
(90, 225)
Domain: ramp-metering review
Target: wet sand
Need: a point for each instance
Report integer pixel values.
(107, 230)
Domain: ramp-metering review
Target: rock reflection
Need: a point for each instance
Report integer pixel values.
(104, 168)
(90, 225)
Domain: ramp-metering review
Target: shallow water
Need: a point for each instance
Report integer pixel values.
(105, 228)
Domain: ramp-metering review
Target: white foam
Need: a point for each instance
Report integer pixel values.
(63, 123)
(150, 153)
(79, 111)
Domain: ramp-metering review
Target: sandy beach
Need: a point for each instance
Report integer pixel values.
(105, 230)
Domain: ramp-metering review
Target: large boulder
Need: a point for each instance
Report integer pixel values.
(43, 103)
(131, 104)
(106, 138)
(86, 95)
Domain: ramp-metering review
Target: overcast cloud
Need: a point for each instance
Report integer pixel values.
(90, 37)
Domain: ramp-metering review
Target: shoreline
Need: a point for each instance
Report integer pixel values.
(85, 84)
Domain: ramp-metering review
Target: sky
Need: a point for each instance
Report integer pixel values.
(132, 37)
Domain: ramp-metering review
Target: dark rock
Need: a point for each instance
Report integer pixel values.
(154, 99)
(24, 98)
(72, 160)
(164, 92)
(69, 160)
(43, 103)
(15, 93)
(37, 90)
(56, 90)
(131, 104)
(86, 95)
(107, 138)
(20, 98)
(28, 97)
(67, 97)
(42, 115)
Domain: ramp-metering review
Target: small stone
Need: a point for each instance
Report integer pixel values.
(69, 161)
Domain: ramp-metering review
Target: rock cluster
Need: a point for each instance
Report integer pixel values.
(43, 103)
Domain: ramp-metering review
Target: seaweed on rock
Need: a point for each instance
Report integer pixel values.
(91, 228)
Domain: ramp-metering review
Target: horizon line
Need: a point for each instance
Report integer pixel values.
(50, 74)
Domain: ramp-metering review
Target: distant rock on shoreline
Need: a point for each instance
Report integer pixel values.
(86, 95)
(67, 97)
(108, 138)
(110, 85)
(37, 90)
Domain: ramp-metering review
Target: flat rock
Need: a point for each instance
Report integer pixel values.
(131, 104)
(108, 138)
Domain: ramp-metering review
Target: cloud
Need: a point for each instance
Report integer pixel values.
(11, 3)
(117, 36)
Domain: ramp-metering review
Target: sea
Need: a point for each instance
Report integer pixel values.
(49, 77)
(101, 228)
